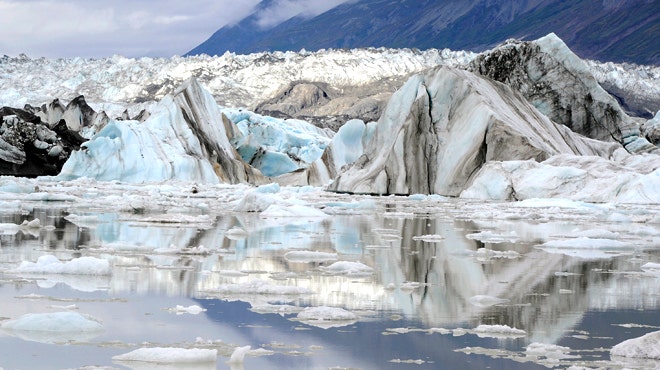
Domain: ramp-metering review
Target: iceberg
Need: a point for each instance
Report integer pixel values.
(184, 138)
(441, 127)
(646, 346)
(561, 86)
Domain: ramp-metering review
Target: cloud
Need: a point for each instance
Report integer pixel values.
(67, 28)
(283, 10)
(133, 28)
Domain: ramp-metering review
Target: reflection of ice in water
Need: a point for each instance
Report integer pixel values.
(458, 264)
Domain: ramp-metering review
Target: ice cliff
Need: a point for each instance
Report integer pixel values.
(560, 85)
(185, 138)
(441, 127)
(486, 130)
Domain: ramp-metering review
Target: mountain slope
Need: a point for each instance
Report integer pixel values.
(605, 30)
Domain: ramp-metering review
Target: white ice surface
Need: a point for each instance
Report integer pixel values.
(587, 248)
(169, 355)
(498, 331)
(53, 327)
(193, 309)
(276, 146)
(348, 268)
(238, 356)
(49, 264)
(310, 256)
(646, 346)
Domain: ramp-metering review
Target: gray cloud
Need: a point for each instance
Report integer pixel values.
(68, 28)
(283, 10)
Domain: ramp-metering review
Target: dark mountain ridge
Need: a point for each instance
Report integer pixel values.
(608, 30)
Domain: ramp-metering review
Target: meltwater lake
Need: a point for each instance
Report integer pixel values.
(326, 281)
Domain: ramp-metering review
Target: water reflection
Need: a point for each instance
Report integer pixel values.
(433, 282)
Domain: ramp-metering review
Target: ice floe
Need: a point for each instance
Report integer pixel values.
(49, 264)
(169, 355)
(53, 327)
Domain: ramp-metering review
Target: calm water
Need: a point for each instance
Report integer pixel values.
(416, 309)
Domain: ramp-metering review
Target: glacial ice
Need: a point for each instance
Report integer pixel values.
(184, 139)
(193, 309)
(324, 313)
(53, 327)
(498, 331)
(169, 355)
(441, 127)
(646, 346)
(49, 264)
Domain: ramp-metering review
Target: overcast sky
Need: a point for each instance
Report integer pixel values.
(133, 28)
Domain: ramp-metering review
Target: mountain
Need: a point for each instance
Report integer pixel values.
(607, 30)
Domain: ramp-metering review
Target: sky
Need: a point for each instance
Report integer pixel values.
(132, 28)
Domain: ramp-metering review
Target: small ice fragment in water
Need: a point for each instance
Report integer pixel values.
(239, 355)
(486, 300)
(193, 310)
(169, 355)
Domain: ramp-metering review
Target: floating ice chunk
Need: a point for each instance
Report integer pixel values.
(431, 238)
(646, 346)
(170, 355)
(310, 256)
(261, 287)
(587, 248)
(53, 327)
(17, 186)
(327, 317)
(281, 309)
(596, 233)
(254, 201)
(619, 217)
(400, 361)
(51, 197)
(9, 229)
(348, 268)
(486, 300)
(49, 264)
(552, 352)
(491, 237)
(295, 210)
(238, 355)
(498, 331)
(651, 268)
(236, 233)
(34, 224)
(271, 188)
(193, 310)
(551, 202)
(485, 253)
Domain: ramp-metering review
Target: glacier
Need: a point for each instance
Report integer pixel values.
(452, 130)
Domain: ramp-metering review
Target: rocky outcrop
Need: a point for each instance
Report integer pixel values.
(560, 85)
(328, 107)
(441, 127)
(29, 147)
